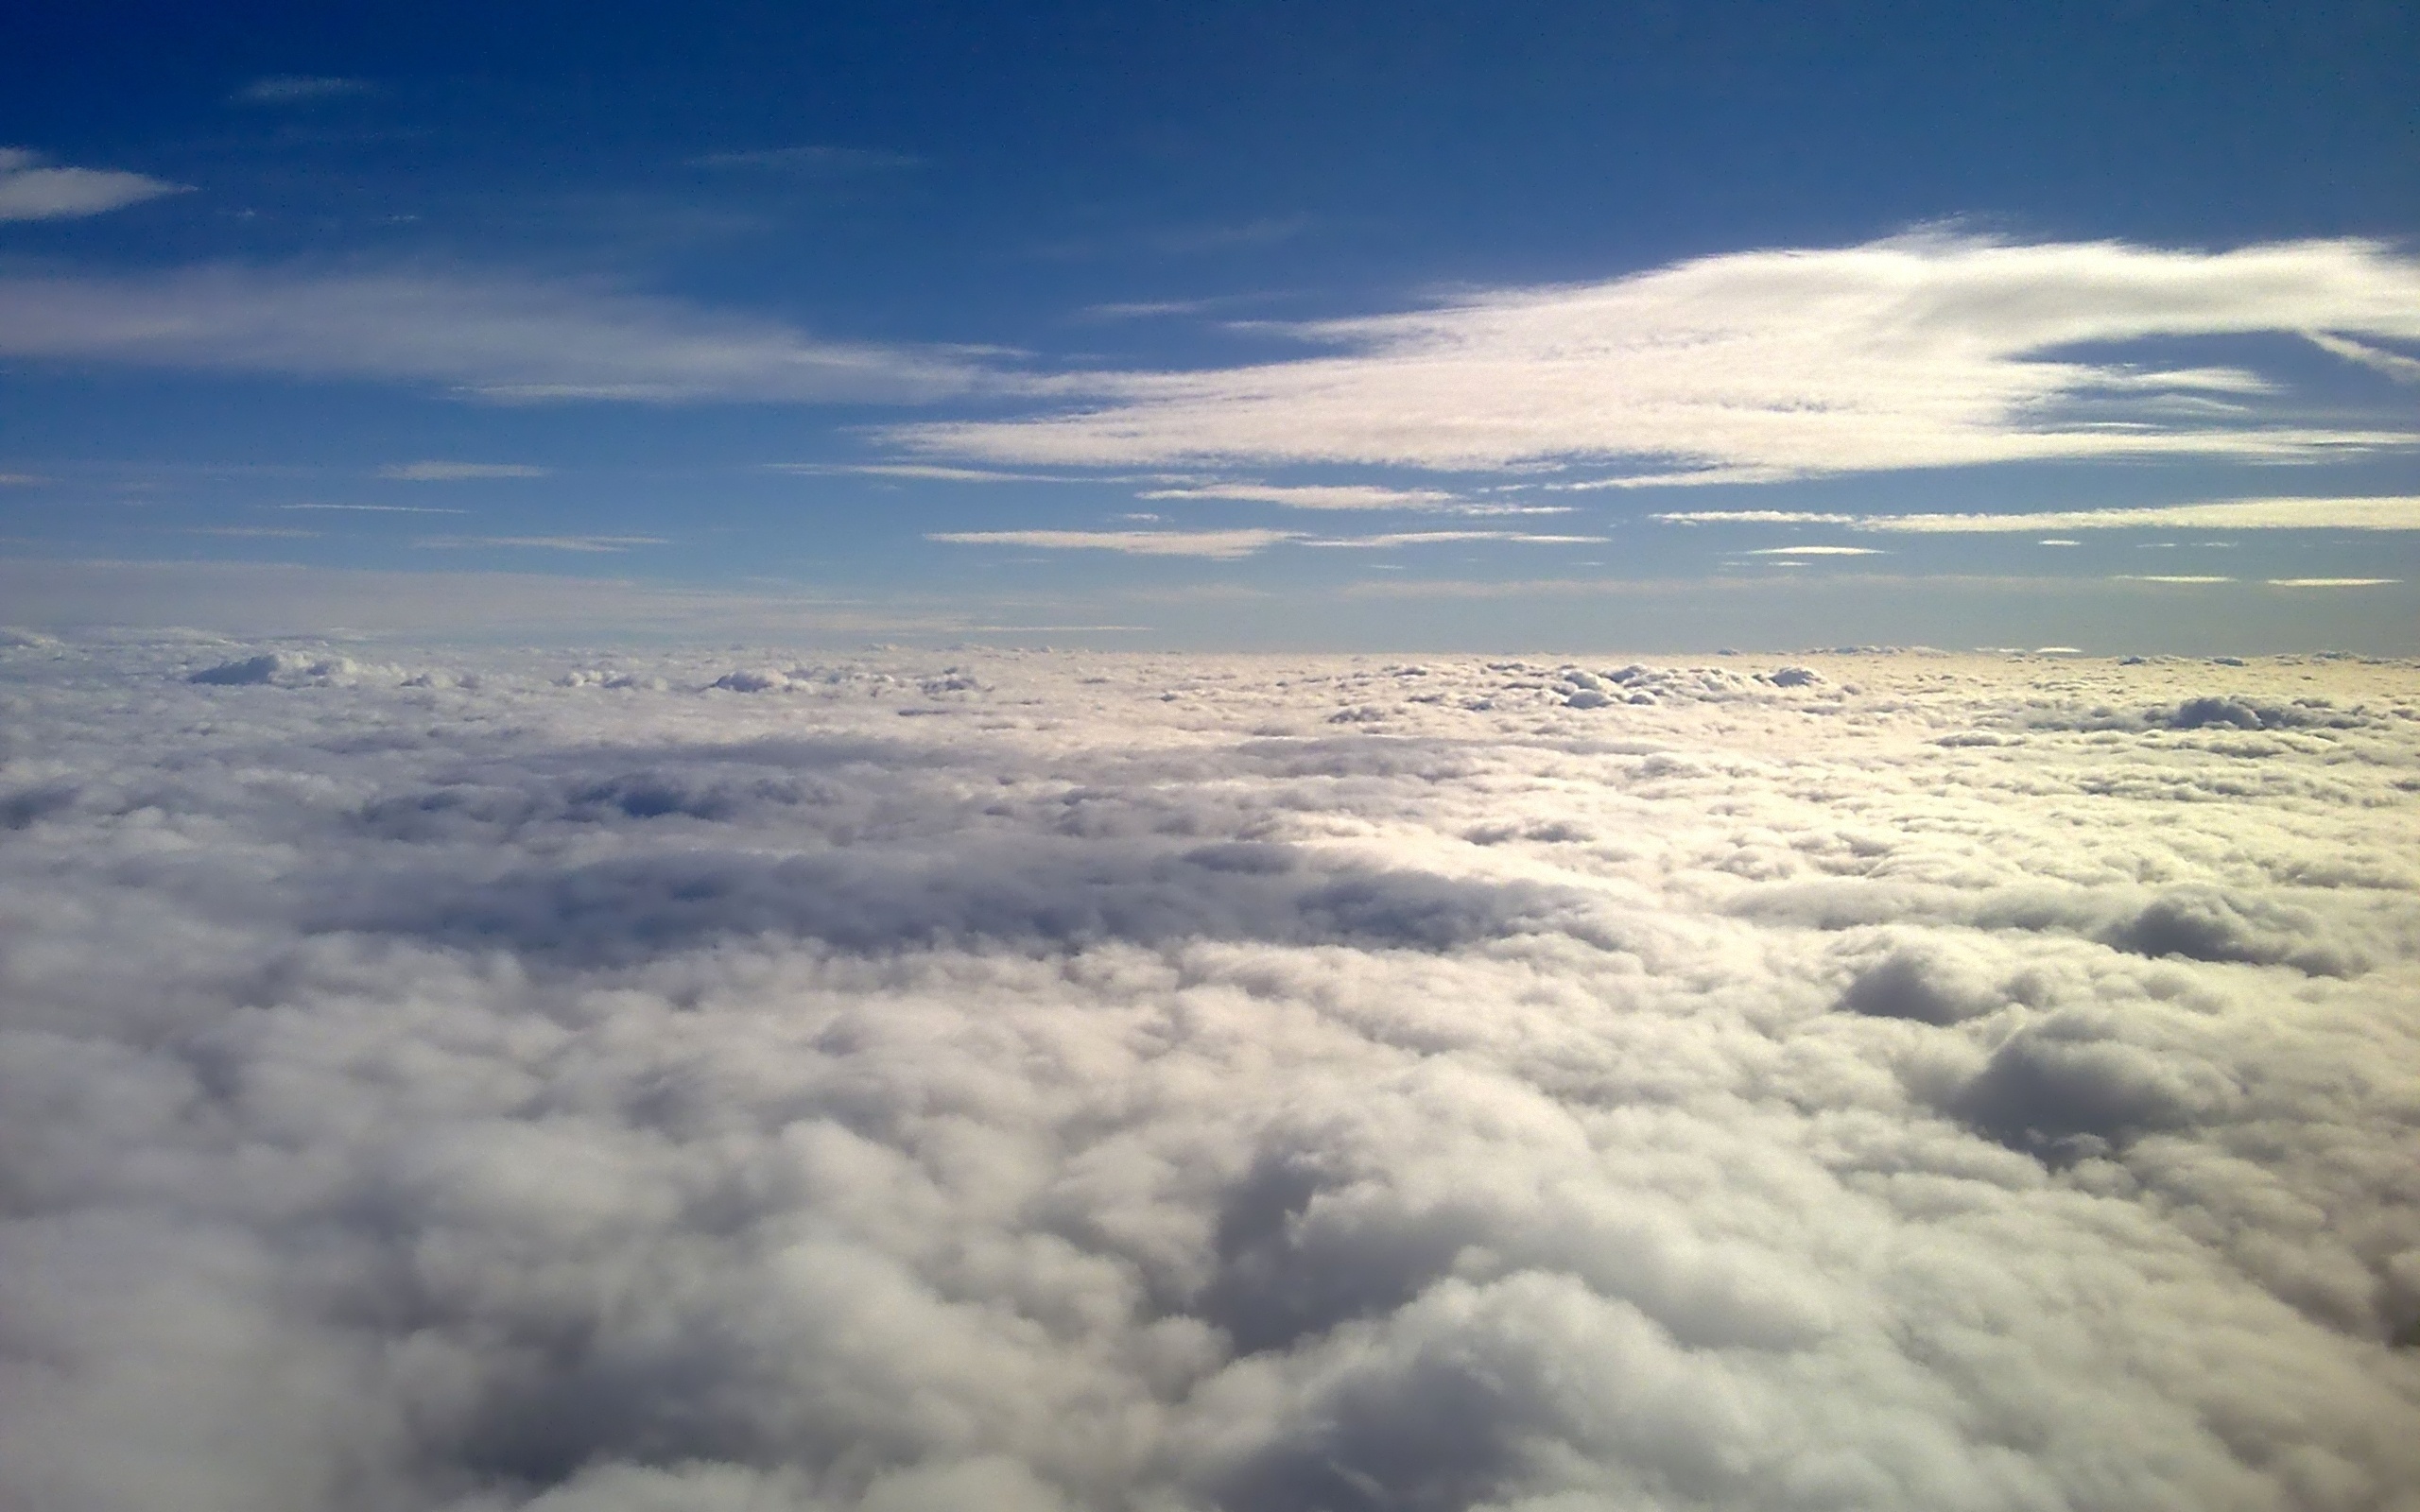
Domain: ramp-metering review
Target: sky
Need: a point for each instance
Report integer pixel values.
(1221, 326)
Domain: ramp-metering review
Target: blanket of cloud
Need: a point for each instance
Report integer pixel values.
(1057, 1081)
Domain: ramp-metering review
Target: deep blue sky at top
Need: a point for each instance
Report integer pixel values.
(1077, 153)
(1007, 176)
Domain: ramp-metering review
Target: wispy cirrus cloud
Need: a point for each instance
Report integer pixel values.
(811, 159)
(299, 89)
(2400, 512)
(1221, 545)
(29, 191)
(1313, 495)
(458, 472)
(1442, 538)
(491, 336)
(1929, 350)
(580, 543)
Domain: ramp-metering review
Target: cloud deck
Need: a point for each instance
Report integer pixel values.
(1059, 1081)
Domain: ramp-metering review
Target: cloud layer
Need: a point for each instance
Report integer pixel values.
(1924, 350)
(1057, 1082)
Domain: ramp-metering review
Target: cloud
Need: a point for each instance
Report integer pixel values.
(2168, 577)
(586, 543)
(1218, 544)
(299, 89)
(1313, 495)
(1433, 537)
(375, 509)
(481, 335)
(1924, 351)
(1813, 551)
(920, 470)
(812, 160)
(607, 1080)
(2400, 512)
(458, 472)
(31, 192)
(2394, 364)
(2333, 582)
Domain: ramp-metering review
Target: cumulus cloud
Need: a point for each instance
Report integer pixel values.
(483, 335)
(1924, 351)
(1062, 1082)
(29, 191)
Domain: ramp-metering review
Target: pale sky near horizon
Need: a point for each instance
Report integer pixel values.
(1418, 326)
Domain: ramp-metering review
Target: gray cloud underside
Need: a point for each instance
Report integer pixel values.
(1081, 1082)
(1926, 351)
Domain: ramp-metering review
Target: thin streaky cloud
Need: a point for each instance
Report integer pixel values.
(1313, 495)
(21, 480)
(1216, 544)
(2396, 512)
(29, 191)
(476, 335)
(262, 532)
(1814, 551)
(1923, 351)
(1431, 538)
(2333, 582)
(2168, 577)
(299, 89)
(2394, 364)
(375, 508)
(460, 472)
(582, 544)
(811, 159)
(929, 471)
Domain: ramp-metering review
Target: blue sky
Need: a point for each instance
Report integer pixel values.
(1355, 326)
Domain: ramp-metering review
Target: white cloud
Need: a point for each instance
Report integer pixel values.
(812, 160)
(301, 89)
(31, 192)
(2333, 582)
(1433, 537)
(1924, 350)
(2394, 364)
(483, 335)
(2168, 577)
(583, 543)
(2397, 512)
(550, 1082)
(1218, 544)
(460, 472)
(1813, 551)
(1313, 495)
(376, 508)
(922, 471)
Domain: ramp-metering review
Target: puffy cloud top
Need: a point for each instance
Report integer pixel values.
(1059, 1082)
